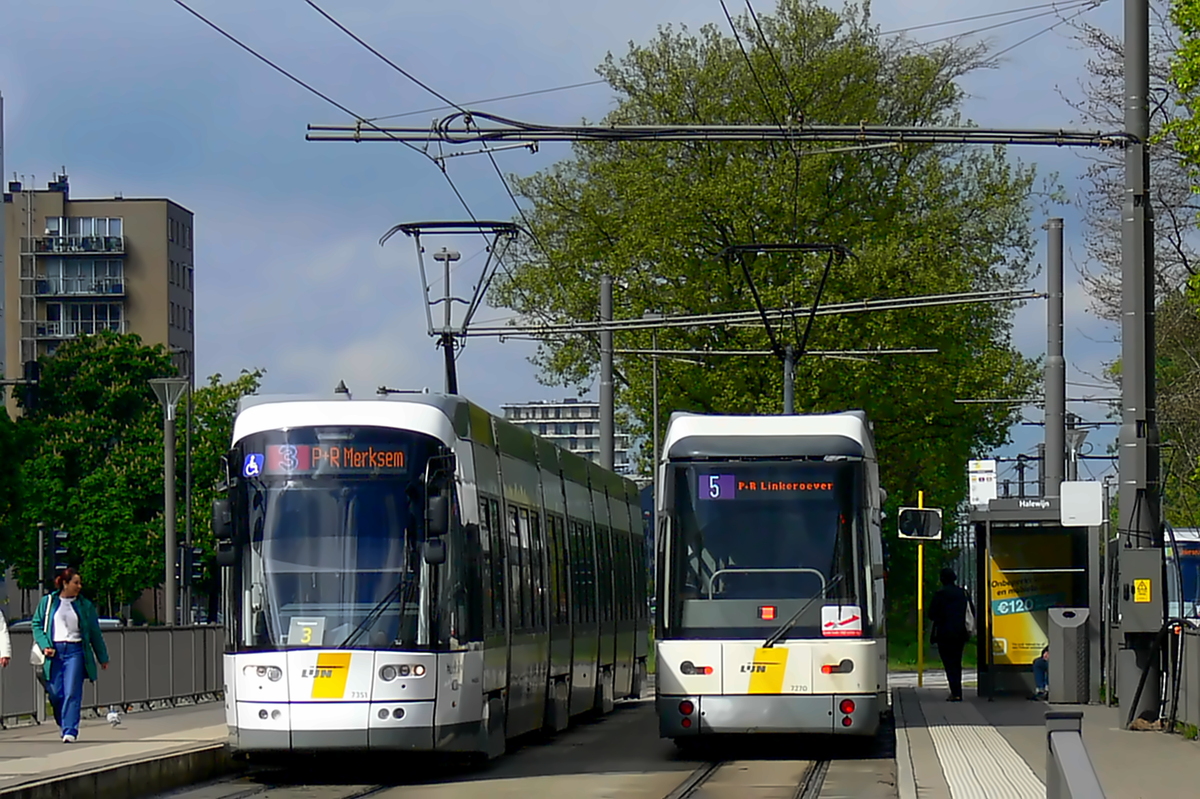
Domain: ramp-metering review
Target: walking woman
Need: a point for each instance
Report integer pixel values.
(67, 629)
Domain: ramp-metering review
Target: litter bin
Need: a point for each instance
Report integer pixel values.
(1069, 682)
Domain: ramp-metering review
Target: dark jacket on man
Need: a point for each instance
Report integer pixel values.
(948, 614)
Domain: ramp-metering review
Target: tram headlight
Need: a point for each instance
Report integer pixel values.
(387, 673)
(392, 671)
(418, 670)
(274, 673)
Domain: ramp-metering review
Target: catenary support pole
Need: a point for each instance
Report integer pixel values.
(1138, 465)
(1056, 368)
(607, 411)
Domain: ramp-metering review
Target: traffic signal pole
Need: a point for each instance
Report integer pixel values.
(920, 602)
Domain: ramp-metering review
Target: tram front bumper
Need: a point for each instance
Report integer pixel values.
(282, 727)
(773, 713)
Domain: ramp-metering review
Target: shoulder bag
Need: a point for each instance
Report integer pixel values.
(37, 658)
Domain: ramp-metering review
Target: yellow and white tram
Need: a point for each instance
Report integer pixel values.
(770, 577)
(414, 573)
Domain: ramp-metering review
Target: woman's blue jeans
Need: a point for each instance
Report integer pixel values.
(66, 685)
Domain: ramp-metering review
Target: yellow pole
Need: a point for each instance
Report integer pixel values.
(920, 602)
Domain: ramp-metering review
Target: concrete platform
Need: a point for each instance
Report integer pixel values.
(997, 749)
(157, 747)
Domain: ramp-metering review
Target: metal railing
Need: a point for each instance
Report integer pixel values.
(146, 665)
(1069, 771)
(72, 244)
(1189, 680)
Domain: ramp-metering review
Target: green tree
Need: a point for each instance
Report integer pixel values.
(920, 220)
(93, 464)
(214, 407)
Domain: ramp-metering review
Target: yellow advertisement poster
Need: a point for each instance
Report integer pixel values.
(1019, 598)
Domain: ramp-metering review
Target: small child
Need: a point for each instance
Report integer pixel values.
(1041, 674)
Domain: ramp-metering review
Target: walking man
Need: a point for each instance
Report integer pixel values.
(948, 612)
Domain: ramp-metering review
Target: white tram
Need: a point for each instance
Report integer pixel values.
(771, 606)
(414, 573)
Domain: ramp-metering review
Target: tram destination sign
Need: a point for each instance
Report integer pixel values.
(729, 486)
(315, 459)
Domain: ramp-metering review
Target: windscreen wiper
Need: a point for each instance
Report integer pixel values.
(376, 612)
(786, 627)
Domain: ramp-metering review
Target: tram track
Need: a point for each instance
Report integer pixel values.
(268, 785)
(703, 783)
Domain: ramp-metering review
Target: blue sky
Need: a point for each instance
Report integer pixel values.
(141, 98)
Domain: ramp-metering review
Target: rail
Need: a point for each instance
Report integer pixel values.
(1069, 771)
(147, 665)
(1188, 713)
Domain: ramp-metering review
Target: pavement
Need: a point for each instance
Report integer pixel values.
(980, 749)
(35, 755)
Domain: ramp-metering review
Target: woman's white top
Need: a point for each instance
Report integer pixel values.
(5, 644)
(66, 622)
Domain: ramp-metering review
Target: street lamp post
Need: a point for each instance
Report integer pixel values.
(169, 390)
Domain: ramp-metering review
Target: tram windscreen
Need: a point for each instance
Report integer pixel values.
(753, 534)
(335, 520)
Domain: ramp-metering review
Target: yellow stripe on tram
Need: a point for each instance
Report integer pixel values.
(333, 668)
(770, 665)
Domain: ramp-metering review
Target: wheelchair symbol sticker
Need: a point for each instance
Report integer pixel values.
(253, 466)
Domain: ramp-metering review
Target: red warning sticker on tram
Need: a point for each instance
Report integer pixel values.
(841, 621)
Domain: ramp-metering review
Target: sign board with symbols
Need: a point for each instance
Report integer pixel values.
(1141, 590)
(981, 477)
(306, 631)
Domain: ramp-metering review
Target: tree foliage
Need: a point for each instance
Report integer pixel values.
(919, 220)
(90, 461)
(1176, 242)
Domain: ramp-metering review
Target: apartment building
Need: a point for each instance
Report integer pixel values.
(78, 266)
(572, 424)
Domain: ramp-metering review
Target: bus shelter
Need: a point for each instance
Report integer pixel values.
(1038, 585)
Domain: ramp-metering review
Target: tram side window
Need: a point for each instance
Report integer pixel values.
(496, 534)
(485, 552)
(564, 571)
(577, 570)
(527, 593)
(537, 551)
(551, 570)
(515, 560)
(592, 559)
(604, 573)
(618, 580)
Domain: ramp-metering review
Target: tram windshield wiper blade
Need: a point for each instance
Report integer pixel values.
(375, 613)
(786, 627)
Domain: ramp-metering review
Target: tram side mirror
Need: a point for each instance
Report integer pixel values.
(921, 523)
(437, 516)
(435, 551)
(222, 522)
(226, 553)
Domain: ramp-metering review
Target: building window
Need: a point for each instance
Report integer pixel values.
(83, 226)
(541, 429)
(191, 320)
(80, 276)
(190, 272)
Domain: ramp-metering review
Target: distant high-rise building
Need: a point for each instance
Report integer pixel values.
(78, 266)
(573, 424)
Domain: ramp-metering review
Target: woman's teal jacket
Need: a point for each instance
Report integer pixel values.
(89, 630)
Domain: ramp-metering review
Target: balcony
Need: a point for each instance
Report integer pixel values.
(76, 328)
(73, 245)
(79, 287)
